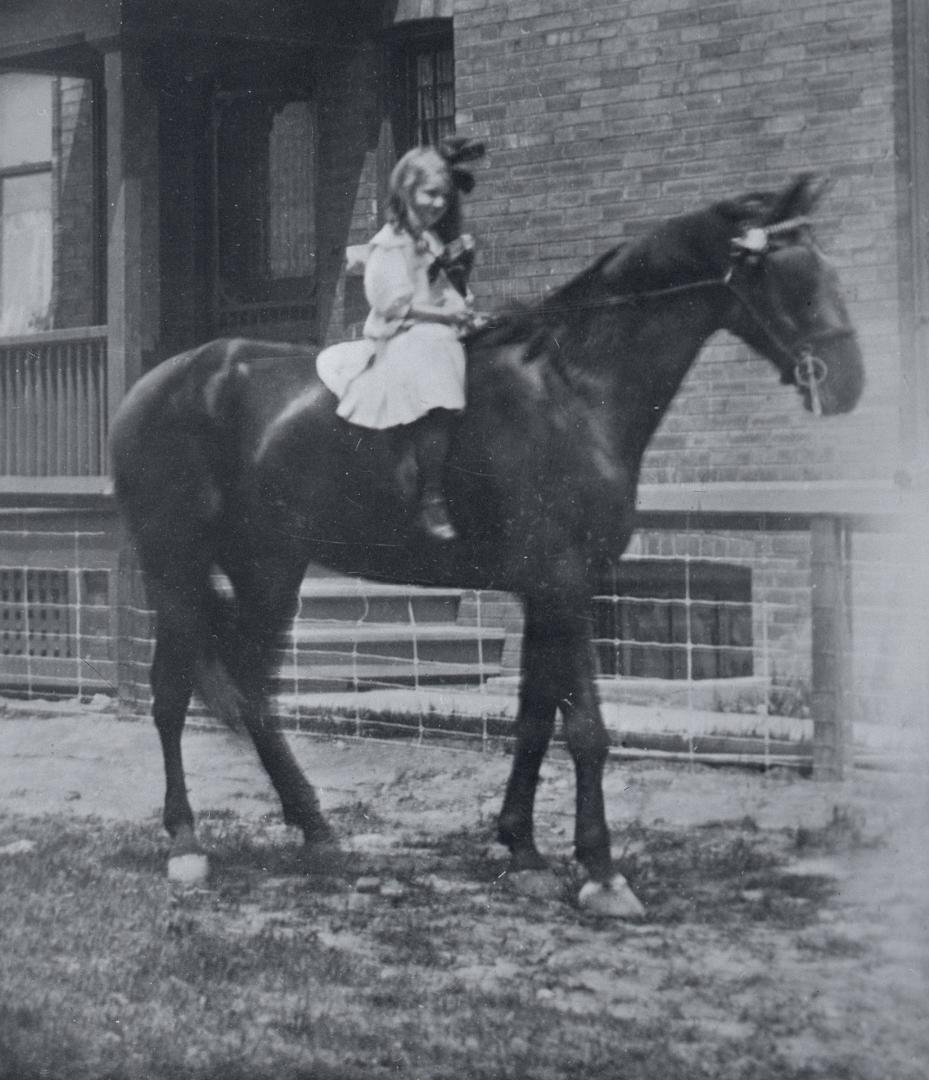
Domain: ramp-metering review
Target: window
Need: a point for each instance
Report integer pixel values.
(48, 199)
(423, 85)
(265, 204)
(670, 619)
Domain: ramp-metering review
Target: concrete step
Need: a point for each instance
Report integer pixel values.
(334, 599)
(721, 696)
(332, 642)
(370, 674)
(357, 634)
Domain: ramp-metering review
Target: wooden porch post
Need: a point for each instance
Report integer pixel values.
(832, 726)
(133, 302)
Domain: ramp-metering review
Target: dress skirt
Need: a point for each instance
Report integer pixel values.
(393, 381)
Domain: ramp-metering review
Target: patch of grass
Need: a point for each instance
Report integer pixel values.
(110, 973)
(834, 946)
(845, 831)
(700, 876)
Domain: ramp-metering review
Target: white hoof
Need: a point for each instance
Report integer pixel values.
(616, 900)
(190, 869)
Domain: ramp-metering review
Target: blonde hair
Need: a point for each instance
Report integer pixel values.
(417, 166)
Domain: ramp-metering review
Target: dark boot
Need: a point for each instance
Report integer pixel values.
(430, 438)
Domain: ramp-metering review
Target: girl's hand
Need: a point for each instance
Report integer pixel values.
(462, 320)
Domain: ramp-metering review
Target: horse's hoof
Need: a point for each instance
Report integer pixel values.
(537, 884)
(525, 859)
(324, 858)
(189, 868)
(615, 900)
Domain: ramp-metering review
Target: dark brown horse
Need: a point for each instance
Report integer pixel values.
(231, 457)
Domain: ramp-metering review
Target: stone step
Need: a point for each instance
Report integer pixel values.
(370, 674)
(343, 643)
(334, 599)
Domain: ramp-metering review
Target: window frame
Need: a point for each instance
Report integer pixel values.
(34, 168)
(406, 43)
(52, 168)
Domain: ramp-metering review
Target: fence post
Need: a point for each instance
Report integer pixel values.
(831, 633)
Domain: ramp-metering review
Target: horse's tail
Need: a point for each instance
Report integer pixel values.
(175, 457)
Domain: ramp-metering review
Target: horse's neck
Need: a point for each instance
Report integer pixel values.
(652, 358)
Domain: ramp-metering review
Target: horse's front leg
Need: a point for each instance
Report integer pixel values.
(606, 893)
(588, 744)
(539, 693)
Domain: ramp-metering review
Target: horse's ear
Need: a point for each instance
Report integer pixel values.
(799, 198)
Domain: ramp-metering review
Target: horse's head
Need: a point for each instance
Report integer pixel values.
(786, 299)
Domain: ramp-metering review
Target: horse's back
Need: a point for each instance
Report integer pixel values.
(186, 426)
(198, 382)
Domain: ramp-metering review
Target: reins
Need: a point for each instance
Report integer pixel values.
(809, 370)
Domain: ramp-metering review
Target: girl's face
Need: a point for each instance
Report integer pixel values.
(428, 199)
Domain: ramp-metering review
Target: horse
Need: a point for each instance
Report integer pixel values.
(230, 457)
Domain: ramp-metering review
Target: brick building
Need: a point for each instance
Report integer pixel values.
(199, 168)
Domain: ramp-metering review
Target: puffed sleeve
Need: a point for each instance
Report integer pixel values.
(389, 285)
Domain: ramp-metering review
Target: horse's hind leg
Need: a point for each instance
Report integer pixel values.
(267, 598)
(172, 688)
(538, 701)
(299, 803)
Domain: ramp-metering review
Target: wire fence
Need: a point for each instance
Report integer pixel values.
(708, 639)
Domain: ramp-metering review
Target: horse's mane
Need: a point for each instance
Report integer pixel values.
(630, 263)
(518, 323)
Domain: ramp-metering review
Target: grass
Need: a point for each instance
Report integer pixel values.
(107, 972)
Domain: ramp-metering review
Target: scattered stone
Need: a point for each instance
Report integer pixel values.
(824, 867)
(443, 885)
(592, 981)
(537, 884)
(18, 847)
(360, 901)
(369, 843)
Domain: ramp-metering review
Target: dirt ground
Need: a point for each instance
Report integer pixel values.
(829, 975)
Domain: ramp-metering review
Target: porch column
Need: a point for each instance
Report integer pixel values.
(133, 309)
(133, 301)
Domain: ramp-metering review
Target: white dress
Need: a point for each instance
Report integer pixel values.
(402, 368)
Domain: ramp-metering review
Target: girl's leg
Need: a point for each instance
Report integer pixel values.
(430, 439)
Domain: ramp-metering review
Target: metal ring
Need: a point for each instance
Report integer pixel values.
(810, 370)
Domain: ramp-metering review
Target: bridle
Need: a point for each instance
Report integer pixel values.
(808, 370)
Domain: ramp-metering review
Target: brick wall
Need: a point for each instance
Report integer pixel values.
(602, 118)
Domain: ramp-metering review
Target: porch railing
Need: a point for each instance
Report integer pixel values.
(53, 404)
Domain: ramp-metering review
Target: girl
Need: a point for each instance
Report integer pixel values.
(416, 378)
